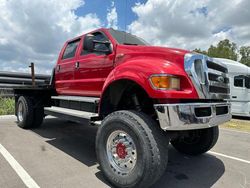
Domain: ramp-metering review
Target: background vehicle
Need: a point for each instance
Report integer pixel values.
(144, 96)
(239, 76)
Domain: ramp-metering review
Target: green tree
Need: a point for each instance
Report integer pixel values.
(198, 50)
(245, 55)
(224, 49)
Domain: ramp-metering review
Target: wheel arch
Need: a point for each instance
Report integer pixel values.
(115, 91)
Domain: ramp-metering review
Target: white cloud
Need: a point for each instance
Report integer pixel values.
(36, 30)
(112, 17)
(192, 24)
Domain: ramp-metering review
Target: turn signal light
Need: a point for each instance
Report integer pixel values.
(165, 82)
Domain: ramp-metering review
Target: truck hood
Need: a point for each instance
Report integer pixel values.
(150, 50)
(132, 52)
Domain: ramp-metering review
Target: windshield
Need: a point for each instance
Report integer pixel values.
(126, 38)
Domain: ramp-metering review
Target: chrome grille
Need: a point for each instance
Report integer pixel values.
(218, 81)
(214, 66)
(216, 84)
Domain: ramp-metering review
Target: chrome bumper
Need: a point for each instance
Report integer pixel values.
(188, 116)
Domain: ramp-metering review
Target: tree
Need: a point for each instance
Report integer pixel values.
(227, 49)
(198, 50)
(224, 49)
(245, 55)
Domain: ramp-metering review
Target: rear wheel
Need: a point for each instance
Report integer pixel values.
(131, 149)
(196, 142)
(27, 115)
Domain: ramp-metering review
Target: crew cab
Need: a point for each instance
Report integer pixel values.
(142, 97)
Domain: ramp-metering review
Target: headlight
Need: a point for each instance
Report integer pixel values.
(199, 70)
(165, 82)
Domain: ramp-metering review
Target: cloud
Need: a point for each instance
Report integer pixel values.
(112, 17)
(36, 30)
(195, 24)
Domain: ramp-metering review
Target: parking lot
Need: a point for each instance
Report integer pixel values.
(62, 154)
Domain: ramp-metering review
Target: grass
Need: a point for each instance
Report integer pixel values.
(7, 106)
(237, 124)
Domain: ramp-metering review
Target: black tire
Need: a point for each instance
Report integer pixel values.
(25, 116)
(196, 142)
(38, 118)
(31, 117)
(151, 148)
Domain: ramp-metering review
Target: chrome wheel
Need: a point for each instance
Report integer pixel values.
(20, 112)
(121, 152)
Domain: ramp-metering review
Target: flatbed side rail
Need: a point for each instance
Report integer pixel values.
(11, 80)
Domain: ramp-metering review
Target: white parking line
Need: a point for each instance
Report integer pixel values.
(25, 177)
(229, 157)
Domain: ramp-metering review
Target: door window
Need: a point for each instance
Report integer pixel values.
(247, 82)
(70, 49)
(239, 81)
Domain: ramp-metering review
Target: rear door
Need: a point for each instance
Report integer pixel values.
(65, 68)
(92, 68)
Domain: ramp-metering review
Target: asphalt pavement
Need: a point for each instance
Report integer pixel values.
(62, 154)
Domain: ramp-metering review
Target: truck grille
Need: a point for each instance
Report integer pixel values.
(218, 81)
(210, 78)
(217, 67)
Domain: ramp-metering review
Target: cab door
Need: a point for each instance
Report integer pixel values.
(92, 68)
(240, 96)
(65, 69)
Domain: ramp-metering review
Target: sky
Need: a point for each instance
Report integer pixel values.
(35, 31)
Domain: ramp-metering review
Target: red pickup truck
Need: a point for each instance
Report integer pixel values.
(142, 98)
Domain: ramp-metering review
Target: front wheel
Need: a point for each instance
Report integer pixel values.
(131, 149)
(196, 142)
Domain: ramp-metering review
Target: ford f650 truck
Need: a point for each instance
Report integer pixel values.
(142, 98)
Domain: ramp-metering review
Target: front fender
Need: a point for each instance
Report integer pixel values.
(123, 73)
(140, 71)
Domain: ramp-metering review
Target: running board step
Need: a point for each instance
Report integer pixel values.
(72, 115)
(76, 98)
(88, 104)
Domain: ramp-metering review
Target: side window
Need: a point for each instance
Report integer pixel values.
(247, 82)
(98, 46)
(239, 81)
(70, 49)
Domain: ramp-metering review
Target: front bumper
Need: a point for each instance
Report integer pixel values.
(189, 116)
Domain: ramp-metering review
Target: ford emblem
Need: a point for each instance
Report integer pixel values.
(221, 79)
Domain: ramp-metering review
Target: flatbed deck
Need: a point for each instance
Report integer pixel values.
(47, 90)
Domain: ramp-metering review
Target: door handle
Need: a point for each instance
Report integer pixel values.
(58, 68)
(234, 97)
(77, 65)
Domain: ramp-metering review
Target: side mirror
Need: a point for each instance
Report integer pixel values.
(102, 46)
(89, 43)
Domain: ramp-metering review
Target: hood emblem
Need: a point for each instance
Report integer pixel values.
(221, 79)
